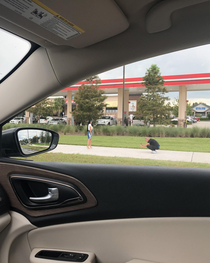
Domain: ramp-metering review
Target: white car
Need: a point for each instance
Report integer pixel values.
(44, 120)
(189, 119)
(17, 120)
(175, 119)
(107, 120)
(55, 121)
(137, 122)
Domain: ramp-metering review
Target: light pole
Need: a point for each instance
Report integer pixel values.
(123, 95)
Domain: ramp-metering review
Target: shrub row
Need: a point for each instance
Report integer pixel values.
(204, 119)
(194, 132)
(65, 129)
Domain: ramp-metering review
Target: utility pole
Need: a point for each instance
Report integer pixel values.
(123, 95)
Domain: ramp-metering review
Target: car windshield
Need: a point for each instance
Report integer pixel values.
(12, 50)
(105, 117)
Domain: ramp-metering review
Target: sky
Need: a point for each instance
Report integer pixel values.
(188, 61)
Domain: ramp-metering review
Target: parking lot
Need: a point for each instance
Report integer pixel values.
(200, 124)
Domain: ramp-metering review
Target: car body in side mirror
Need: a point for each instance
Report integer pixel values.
(24, 142)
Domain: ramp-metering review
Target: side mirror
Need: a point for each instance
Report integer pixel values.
(24, 142)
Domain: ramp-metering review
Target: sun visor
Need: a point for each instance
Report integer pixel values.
(67, 22)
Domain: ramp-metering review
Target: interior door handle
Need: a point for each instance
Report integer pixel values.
(53, 195)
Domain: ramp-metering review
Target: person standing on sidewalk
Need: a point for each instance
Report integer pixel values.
(151, 144)
(89, 134)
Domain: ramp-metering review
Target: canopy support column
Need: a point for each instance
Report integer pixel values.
(182, 106)
(69, 107)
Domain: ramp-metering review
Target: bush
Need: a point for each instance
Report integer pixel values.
(145, 131)
(142, 131)
(79, 128)
(198, 115)
(173, 132)
(181, 131)
(120, 130)
(195, 132)
(154, 132)
(187, 133)
(204, 133)
(97, 130)
(68, 129)
(204, 119)
(162, 132)
(113, 131)
(106, 130)
(133, 130)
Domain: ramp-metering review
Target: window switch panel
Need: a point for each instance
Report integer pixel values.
(62, 256)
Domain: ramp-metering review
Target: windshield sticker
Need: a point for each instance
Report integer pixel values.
(43, 16)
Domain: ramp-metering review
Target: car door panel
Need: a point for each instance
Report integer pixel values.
(117, 241)
(5, 217)
(4, 221)
(151, 239)
(9, 169)
(142, 213)
(120, 191)
(13, 235)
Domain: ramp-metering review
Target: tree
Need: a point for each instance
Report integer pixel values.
(89, 100)
(153, 104)
(189, 109)
(58, 104)
(176, 108)
(43, 108)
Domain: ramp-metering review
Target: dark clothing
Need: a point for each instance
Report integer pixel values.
(153, 145)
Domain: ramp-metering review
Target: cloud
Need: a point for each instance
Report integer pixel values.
(188, 61)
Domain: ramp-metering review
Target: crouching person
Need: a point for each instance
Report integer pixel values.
(151, 144)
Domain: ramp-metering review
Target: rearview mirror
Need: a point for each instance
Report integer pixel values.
(25, 142)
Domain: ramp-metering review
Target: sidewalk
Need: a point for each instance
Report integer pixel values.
(195, 157)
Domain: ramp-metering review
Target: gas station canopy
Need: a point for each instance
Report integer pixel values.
(193, 82)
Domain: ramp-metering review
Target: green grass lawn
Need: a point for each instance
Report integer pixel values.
(79, 158)
(166, 143)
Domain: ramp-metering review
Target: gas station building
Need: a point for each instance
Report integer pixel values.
(133, 88)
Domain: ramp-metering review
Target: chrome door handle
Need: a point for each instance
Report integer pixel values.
(53, 195)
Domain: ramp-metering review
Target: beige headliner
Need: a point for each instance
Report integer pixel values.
(186, 25)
